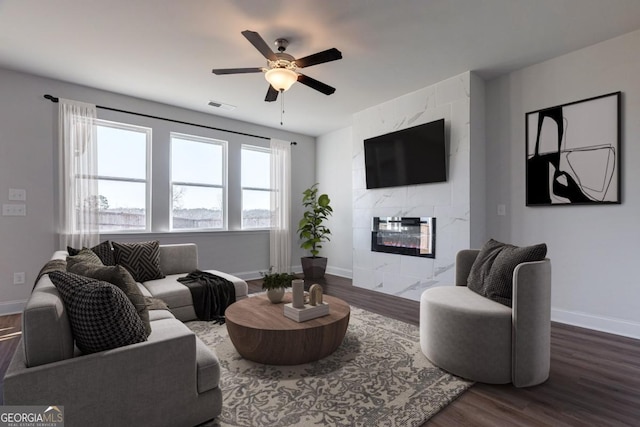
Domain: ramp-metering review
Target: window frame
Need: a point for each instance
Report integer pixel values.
(269, 189)
(224, 186)
(147, 179)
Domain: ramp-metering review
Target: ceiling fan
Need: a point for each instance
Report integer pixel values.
(281, 70)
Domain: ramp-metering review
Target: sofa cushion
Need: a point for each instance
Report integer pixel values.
(178, 258)
(103, 250)
(119, 276)
(169, 290)
(208, 367)
(142, 259)
(466, 334)
(491, 274)
(101, 315)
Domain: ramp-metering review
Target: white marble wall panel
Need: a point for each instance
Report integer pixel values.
(449, 202)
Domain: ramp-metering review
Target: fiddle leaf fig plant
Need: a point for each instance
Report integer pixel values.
(311, 229)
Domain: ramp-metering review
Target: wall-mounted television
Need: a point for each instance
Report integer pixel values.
(415, 155)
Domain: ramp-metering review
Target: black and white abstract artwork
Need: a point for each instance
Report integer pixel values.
(573, 153)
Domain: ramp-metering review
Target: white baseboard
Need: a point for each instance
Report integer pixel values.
(342, 272)
(248, 275)
(598, 323)
(12, 307)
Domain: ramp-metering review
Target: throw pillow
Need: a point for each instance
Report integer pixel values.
(141, 259)
(103, 250)
(120, 277)
(101, 315)
(84, 256)
(491, 274)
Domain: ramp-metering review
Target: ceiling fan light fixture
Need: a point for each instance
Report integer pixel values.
(281, 78)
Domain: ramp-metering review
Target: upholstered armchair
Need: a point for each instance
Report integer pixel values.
(477, 338)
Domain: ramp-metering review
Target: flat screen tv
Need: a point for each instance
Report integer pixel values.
(416, 155)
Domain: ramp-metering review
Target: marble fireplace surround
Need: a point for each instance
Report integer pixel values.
(451, 202)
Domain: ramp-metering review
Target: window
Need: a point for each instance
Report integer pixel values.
(256, 187)
(123, 177)
(198, 183)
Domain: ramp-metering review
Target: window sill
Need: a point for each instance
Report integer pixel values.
(181, 233)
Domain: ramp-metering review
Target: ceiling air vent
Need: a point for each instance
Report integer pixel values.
(221, 105)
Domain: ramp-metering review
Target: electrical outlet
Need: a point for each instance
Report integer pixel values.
(502, 210)
(14, 209)
(18, 278)
(17, 194)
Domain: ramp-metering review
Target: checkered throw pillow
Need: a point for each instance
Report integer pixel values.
(101, 315)
(119, 276)
(142, 259)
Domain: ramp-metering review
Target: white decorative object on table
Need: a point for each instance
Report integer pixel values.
(308, 312)
(297, 286)
(275, 295)
(315, 294)
(315, 308)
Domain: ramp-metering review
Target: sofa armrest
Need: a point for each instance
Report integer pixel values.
(178, 258)
(531, 323)
(113, 387)
(464, 261)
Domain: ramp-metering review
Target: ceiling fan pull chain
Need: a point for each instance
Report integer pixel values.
(281, 105)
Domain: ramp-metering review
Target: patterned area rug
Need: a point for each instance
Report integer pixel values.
(377, 377)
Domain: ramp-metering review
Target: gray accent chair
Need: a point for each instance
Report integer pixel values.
(479, 339)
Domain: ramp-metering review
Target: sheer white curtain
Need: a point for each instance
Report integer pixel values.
(78, 198)
(280, 235)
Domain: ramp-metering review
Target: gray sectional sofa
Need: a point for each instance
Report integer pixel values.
(171, 379)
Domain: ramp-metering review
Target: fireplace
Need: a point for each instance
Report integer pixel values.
(413, 236)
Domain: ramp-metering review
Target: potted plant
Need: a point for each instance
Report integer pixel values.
(275, 283)
(313, 232)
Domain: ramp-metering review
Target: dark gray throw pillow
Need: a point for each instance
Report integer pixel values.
(101, 315)
(491, 274)
(104, 251)
(120, 277)
(84, 256)
(142, 259)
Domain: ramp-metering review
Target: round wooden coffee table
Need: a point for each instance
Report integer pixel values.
(260, 332)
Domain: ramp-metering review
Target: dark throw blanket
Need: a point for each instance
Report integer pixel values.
(211, 294)
(51, 265)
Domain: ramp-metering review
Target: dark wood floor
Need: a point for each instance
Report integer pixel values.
(594, 380)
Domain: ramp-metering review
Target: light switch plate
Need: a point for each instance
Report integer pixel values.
(18, 278)
(14, 209)
(17, 194)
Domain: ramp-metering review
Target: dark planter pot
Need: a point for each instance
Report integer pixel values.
(313, 268)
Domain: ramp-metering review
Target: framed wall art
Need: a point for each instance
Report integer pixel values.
(573, 153)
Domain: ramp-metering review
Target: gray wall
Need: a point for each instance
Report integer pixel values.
(593, 249)
(28, 139)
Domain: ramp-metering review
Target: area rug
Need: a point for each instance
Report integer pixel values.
(377, 377)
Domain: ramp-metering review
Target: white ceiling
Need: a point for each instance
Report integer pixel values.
(164, 50)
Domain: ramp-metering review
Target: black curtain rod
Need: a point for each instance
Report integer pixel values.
(54, 99)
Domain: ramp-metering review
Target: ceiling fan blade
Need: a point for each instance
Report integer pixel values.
(328, 55)
(315, 84)
(272, 94)
(220, 71)
(258, 42)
